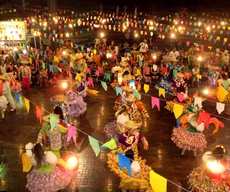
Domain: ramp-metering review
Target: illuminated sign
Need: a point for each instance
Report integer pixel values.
(13, 31)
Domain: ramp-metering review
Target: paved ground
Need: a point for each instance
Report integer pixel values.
(163, 156)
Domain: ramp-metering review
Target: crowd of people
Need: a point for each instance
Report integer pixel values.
(126, 67)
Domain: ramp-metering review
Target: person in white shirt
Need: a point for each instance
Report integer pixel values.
(144, 47)
(3, 67)
(174, 54)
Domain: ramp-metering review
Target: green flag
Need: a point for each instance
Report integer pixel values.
(95, 145)
(104, 85)
(175, 72)
(137, 94)
(53, 121)
(111, 144)
(43, 66)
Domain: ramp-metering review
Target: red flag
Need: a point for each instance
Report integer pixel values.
(204, 117)
(39, 113)
(165, 70)
(187, 75)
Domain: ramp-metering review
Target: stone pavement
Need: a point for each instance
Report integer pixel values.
(163, 156)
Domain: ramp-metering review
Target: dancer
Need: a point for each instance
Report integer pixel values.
(7, 91)
(189, 135)
(3, 104)
(49, 174)
(213, 175)
(25, 75)
(179, 85)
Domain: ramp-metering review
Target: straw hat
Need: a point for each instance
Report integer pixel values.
(60, 97)
(180, 75)
(29, 146)
(132, 125)
(4, 77)
(47, 118)
(130, 99)
(128, 89)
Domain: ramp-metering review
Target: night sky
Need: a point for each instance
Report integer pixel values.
(143, 5)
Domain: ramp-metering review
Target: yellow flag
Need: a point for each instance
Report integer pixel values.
(199, 76)
(157, 182)
(78, 76)
(56, 59)
(94, 51)
(27, 104)
(161, 92)
(26, 163)
(146, 88)
(177, 110)
(218, 38)
(31, 61)
(225, 40)
(221, 93)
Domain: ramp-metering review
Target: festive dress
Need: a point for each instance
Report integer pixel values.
(139, 180)
(3, 103)
(54, 138)
(75, 104)
(115, 128)
(189, 138)
(50, 177)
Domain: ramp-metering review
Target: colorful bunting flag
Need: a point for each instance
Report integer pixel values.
(124, 161)
(27, 104)
(95, 145)
(104, 85)
(220, 107)
(90, 81)
(221, 93)
(180, 97)
(118, 90)
(146, 88)
(156, 102)
(177, 110)
(17, 97)
(162, 92)
(157, 182)
(78, 77)
(204, 117)
(72, 133)
(137, 94)
(111, 144)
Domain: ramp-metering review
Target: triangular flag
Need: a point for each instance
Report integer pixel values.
(92, 92)
(104, 85)
(118, 90)
(225, 84)
(198, 102)
(88, 70)
(72, 133)
(26, 163)
(221, 93)
(175, 72)
(157, 182)
(27, 104)
(204, 117)
(220, 107)
(97, 73)
(198, 76)
(60, 69)
(108, 77)
(177, 110)
(78, 77)
(51, 68)
(162, 92)
(95, 145)
(164, 69)
(43, 66)
(180, 97)
(17, 97)
(124, 161)
(146, 88)
(156, 102)
(90, 81)
(53, 121)
(39, 113)
(187, 75)
(137, 94)
(140, 63)
(111, 144)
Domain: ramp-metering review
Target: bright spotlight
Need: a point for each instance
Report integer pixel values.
(72, 162)
(64, 85)
(206, 91)
(215, 167)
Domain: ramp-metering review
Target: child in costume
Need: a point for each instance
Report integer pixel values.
(213, 174)
(189, 135)
(49, 174)
(179, 85)
(115, 128)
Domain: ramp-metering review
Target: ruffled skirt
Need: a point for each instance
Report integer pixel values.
(112, 130)
(188, 140)
(139, 181)
(200, 181)
(54, 181)
(77, 108)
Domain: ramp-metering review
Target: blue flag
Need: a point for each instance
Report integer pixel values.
(124, 161)
(118, 90)
(17, 97)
